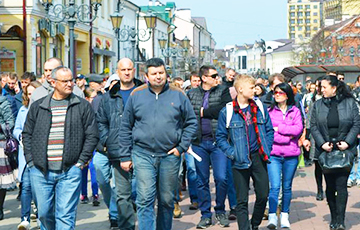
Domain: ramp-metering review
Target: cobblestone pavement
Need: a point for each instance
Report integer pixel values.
(306, 213)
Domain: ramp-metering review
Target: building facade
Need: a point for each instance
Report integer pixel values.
(340, 10)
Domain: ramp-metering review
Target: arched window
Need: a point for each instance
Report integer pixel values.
(40, 53)
(58, 44)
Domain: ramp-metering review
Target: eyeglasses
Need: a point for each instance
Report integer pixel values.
(341, 78)
(65, 81)
(215, 75)
(279, 93)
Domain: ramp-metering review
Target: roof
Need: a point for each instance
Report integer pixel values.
(284, 48)
(200, 21)
(283, 40)
(293, 71)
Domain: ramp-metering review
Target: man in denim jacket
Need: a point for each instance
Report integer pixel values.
(247, 140)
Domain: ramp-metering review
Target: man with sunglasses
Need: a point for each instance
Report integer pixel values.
(207, 100)
(46, 87)
(59, 137)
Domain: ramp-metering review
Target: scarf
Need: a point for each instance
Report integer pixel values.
(253, 111)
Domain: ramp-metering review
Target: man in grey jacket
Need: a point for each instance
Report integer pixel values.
(46, 87)
(158, 125)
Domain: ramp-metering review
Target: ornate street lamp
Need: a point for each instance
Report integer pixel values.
(71, 13)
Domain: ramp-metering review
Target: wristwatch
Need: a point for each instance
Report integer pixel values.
(79, 165)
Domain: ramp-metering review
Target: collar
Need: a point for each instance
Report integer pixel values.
(45, 104)
(166, 87)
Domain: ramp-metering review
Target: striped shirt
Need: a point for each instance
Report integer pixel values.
(56, 136)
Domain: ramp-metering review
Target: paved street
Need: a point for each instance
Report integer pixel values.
(306, 212)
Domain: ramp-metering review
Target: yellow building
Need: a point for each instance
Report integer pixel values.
(341, 9)
(304, 19)
(27, 49)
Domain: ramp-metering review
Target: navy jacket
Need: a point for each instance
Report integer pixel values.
(156, 123)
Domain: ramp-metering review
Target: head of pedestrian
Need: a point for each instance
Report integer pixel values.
(230, 75)
(63, 82)
(245, 86)
(276, 79)
(80, 80)
(125, 71)
(208, 75)
(341, 76)
(26, 78)
(283, 93)
(12, 81)
(194, 80)
(331, 86)
(51, 64)
(156, 74)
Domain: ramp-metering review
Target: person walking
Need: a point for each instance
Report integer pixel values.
(335, 124)
(59, 137)
(157, 125)
(7, 173)
(288, 127)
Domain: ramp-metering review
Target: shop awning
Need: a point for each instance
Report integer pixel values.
(104, 52)
(293, 71)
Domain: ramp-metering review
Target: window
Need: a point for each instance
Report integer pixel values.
(307, 21)
(300, 14)
(243, 62)
(307, 7)
(300, 7)
(292, 14)
(315, 6)
(307, 35)
(308, 28)
(307, 14)
(315, 28)
(292, 28)
(292, 21)
(40, 53)
(315, 14)
(292, 36)
(300, 36)
(292, 7)
(315, 21)
(57, 52)
(300, 21)
(300, 28)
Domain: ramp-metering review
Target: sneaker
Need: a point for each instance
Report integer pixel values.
(222, 220)
(350, 183)
(284, 220)
(24, 225)
(232, 214)
(272, 222)
(96, 201)
(194, 206)
(204, 223)
(113, 224)
(177, 210)
(84, 199)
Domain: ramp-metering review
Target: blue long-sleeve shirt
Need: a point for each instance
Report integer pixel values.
(156, 123)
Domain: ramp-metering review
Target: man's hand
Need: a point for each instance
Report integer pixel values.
(174, 151)
(201, 112)
(342, 145)
(327, 146)
(126, 166)
(233, 92)
(307, 145)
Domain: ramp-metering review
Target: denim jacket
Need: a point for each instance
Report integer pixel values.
(234, 141)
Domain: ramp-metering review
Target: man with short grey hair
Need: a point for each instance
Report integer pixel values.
(59, 137)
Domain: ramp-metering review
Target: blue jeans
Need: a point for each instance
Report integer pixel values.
(231, 193)
(84, 180)
(191, 177)
(281, 173)
(211, 154)
(57, 195)
(104, 172)
(26, 195)
(156, 177)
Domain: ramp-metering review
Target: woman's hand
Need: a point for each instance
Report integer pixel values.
(342, 145)
(327, 146)
(307, 145)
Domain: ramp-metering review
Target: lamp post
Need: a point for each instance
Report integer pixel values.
(116, 19)
(349, 52)
(132, 34)
(71, 13)
(174, 51)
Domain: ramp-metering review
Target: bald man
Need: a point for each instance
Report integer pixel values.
(46, 87)
(108, 115)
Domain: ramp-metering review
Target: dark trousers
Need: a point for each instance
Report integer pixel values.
(258, 173)
(337, 195)
(318, 176)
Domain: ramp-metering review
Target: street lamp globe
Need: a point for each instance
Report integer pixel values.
(150, 21)
(116, 19)
(340, 40)
(97, 1)
(162, 42)
(186, 43)
(202, 53)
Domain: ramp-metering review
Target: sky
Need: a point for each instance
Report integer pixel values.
(238, 21)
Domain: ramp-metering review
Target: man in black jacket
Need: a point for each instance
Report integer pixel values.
(59, 137)
(207, 100)
(109, 118)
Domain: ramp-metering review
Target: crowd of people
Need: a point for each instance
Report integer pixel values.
(140, 140)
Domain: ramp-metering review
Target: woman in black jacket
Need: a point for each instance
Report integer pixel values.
(335, 124)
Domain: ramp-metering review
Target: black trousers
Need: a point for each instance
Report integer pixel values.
(337, 195)
(259, 175)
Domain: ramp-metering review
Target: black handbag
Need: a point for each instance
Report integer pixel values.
(336, 160)
(11, 148)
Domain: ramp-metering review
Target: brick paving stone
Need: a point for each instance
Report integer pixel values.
(306, 213)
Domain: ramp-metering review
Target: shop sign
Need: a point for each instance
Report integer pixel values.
(7, 61)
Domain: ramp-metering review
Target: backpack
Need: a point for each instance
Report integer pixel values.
(230, 110)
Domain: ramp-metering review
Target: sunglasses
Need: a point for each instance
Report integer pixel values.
(215, 75)
(279, 93)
